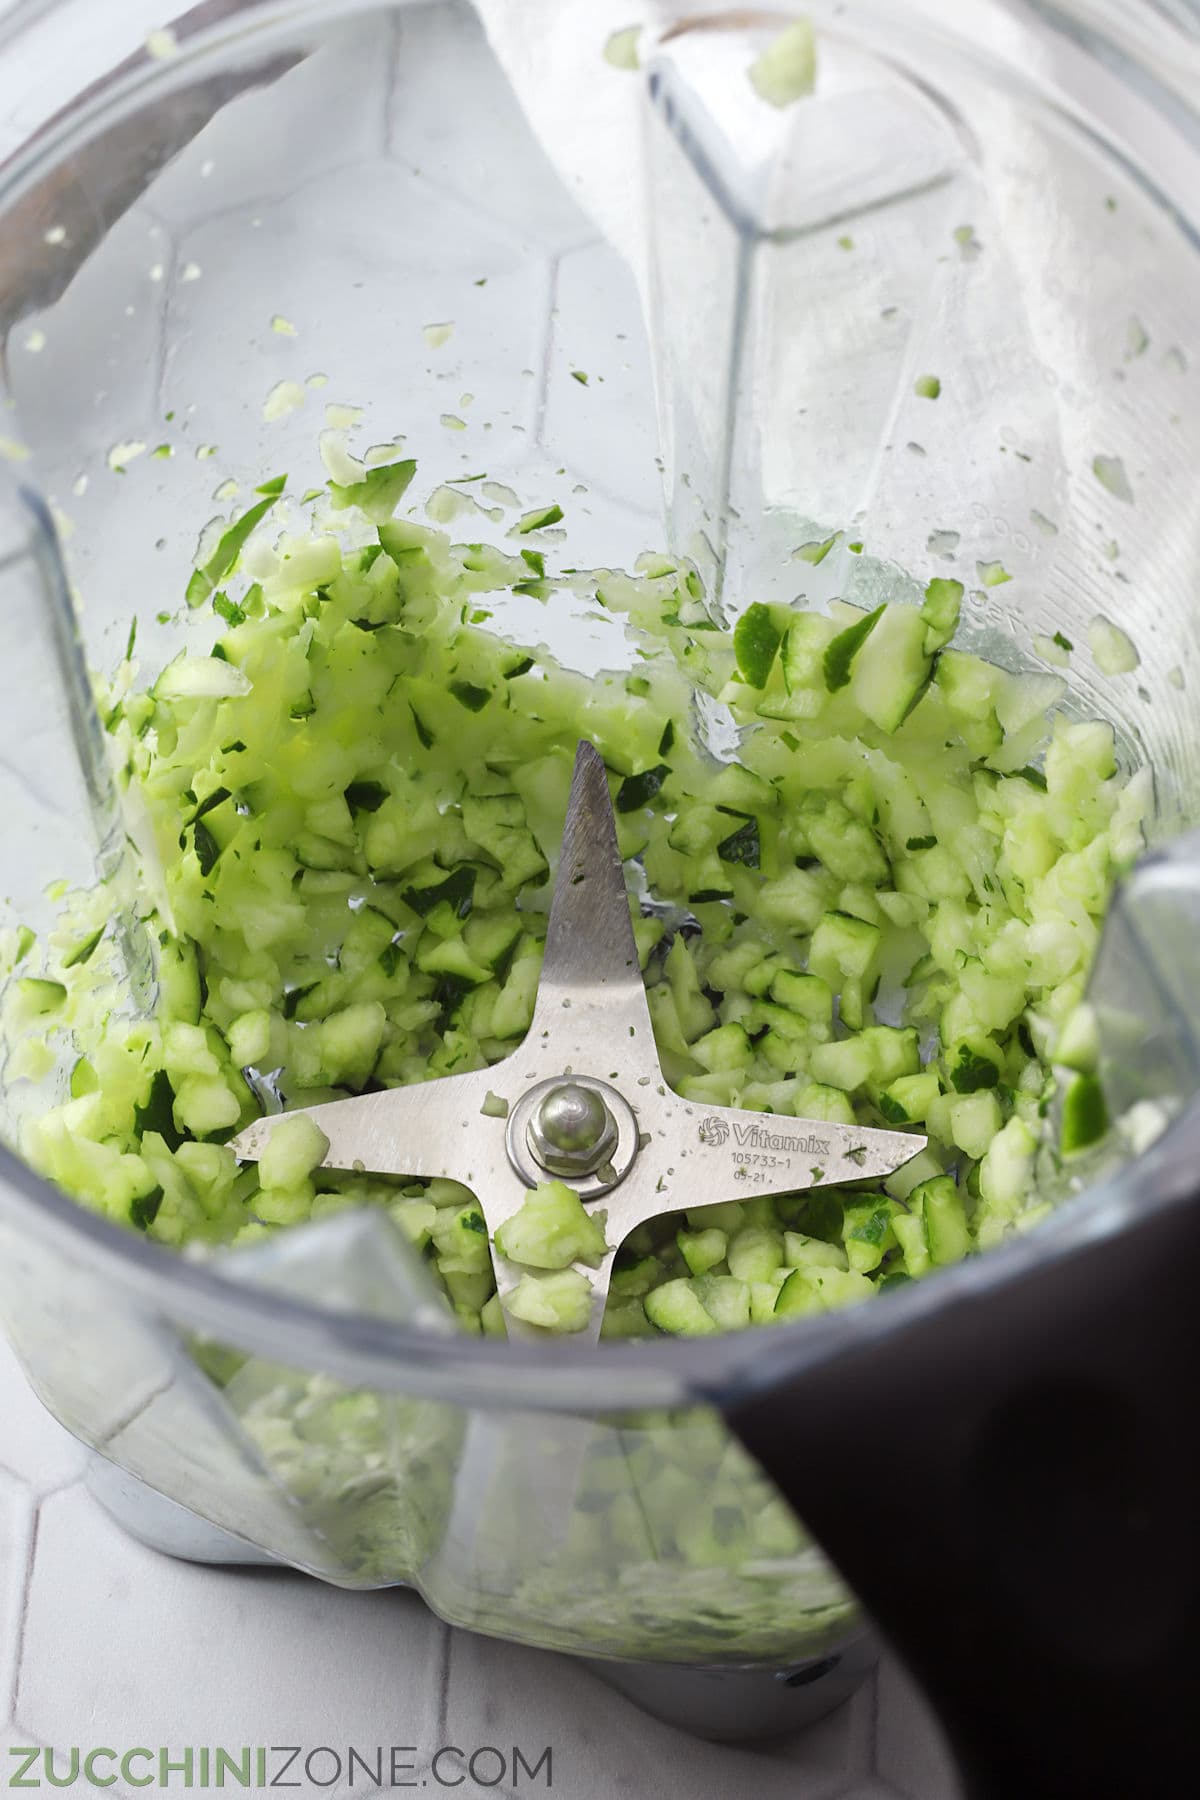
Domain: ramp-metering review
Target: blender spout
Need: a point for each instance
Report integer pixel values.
(785, 349)
(710, 143)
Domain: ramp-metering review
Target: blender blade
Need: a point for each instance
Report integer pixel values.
(584, 1099)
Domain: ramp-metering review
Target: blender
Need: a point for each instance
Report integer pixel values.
(280, 207)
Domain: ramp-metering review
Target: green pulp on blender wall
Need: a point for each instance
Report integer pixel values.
(348, 812)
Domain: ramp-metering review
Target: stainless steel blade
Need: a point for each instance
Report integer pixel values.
(449, 1128)
(591, 999)
(722, 1153)
(696, 1155)
(591, 1022)
(422, 1130)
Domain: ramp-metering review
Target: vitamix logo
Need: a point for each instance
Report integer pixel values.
(715, 1132)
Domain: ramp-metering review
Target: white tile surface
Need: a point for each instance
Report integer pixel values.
(249, 150)
(908, 1747)
(16, 1518)
(433, 58)
(605, 1748)
(233, 1654)
(603, 429)
(105, 1639)
(33, 1446)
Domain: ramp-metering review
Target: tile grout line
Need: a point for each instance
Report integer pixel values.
(443, 1680)
(23, 1620)
(133, 1412)
(24, 1479)
(62, 1487)
(442, 1710)
(166, 293)
(166, 289)
(873, 1727)
(38, 1495)
(546, 352)
(395, 37)
(898, 1787)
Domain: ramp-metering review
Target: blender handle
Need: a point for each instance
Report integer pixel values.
(1009, 1480)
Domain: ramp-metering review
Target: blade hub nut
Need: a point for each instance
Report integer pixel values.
(571, 1131)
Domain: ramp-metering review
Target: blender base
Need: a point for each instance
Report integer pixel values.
(724, 1705)
(733, 1704)
(163, 1524)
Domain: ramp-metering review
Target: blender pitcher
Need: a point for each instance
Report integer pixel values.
(933, 313)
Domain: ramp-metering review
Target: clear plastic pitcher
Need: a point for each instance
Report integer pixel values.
(945, 307)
